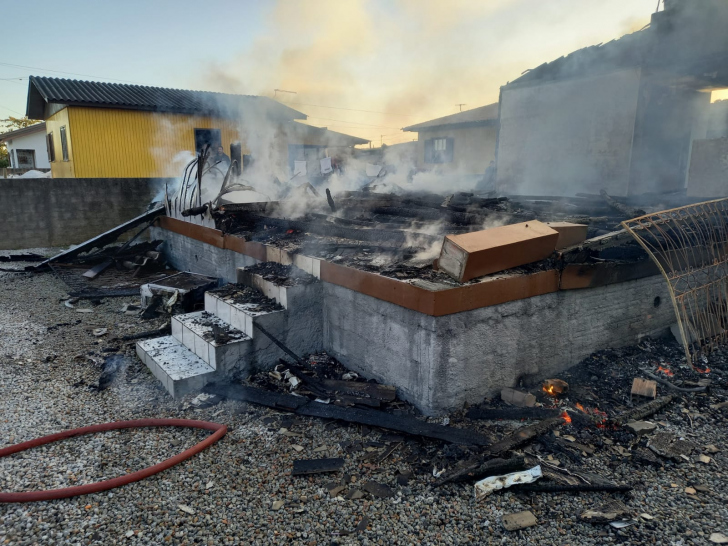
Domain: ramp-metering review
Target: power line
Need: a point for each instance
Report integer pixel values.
(351, 109)
(354, 122)
(65, 72)
(7, 108)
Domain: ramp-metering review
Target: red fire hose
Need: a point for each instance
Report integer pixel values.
(30, 496)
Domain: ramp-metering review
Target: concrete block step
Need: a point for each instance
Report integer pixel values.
(284, 290)
(180, 370)
(239, 312)
(196, 331)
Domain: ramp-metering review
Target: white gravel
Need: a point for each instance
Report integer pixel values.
(46, 379)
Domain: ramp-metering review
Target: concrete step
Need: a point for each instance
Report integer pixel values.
(285, 292)
(230, 305)
(180, 370)
(196, 332)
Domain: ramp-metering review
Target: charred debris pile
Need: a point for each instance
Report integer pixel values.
(401, 235)
(569, 434)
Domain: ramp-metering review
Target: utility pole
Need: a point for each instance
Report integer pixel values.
(276, 91)
(461, 104)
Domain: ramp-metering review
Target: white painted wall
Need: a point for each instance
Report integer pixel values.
(33, 141)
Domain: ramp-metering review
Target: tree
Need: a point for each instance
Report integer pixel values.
(12, 124)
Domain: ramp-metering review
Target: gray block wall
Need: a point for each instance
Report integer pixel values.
(43, 212)
(440, 363)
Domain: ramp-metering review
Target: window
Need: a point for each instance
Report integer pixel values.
(64, 144)
(439, 150)
(209, 137)
(51, 148)
(25, 159)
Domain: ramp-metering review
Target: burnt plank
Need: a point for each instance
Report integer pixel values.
(302, 467)
(409, 425)
(512, 413)
(524, 435)
(361, 389)
(254, 395)
(96, 270)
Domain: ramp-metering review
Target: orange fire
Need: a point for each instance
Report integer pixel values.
(580, 407)
(666, 371)
(706, 370)
(566, 417)
(549, 390)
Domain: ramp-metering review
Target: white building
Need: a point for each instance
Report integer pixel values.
(27, 147)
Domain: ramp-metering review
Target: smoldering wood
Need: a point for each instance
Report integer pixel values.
(629, 212)
(644, 411)
(477, 469)
(512, 413)
(671, 385)
(523, 435)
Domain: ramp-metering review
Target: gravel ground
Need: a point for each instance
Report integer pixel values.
(50, 363)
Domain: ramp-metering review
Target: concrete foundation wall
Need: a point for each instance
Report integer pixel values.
(560, 138)
(187, 254)
(43, 212)
(439, 363)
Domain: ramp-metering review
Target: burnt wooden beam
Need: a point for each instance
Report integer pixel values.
(106, 237)
(524, 435)
(488, 414)
(476, 470)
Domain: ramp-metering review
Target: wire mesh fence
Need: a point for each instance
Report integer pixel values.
(690, 246)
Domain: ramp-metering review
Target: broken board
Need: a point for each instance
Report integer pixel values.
(471, 255)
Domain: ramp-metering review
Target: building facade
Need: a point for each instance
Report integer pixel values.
(27, 147)
(102, 130)
(461, 144)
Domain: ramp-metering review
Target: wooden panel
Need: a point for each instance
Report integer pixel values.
(134, 144)
(60, 168)
(495, 292)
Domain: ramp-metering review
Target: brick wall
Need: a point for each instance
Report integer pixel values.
(43, 212)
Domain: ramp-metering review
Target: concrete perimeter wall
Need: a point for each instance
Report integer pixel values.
(43, 212)
(440, 363)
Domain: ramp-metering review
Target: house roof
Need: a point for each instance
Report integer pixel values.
(475, 116)
(29, 130)
(42, 91)
(332, 138)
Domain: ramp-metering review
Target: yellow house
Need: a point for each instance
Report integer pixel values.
(460, 144)
(110, 130)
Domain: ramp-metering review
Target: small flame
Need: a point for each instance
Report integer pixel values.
(289, 231)
(665, 371)
(550, 390)
(580, 407)
(706, 370)
(566, 417)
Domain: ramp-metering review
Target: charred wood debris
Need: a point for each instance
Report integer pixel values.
(399, 235)
(557, 430)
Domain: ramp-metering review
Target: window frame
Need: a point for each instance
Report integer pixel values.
(32, 157)
(64, 143)
(435, 153)
(51, 147)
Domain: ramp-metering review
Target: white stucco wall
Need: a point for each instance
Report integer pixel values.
(33, 141)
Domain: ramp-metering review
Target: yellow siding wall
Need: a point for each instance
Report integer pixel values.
(134, 144)
(60, 168)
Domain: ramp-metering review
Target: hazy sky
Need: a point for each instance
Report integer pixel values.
(403, 61)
